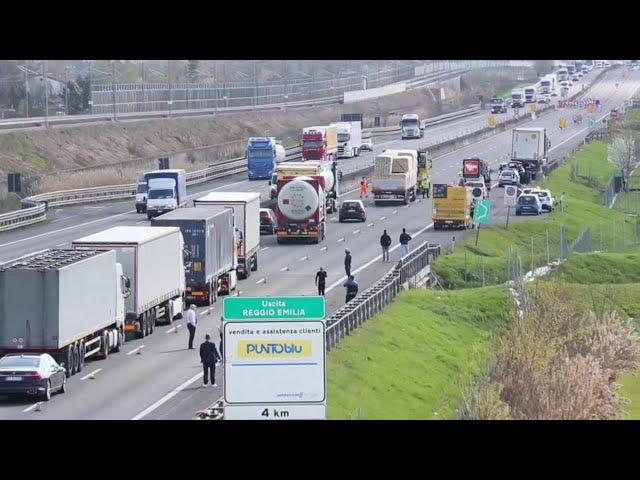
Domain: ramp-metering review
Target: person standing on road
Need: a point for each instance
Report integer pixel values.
(405, 238)
(192, 321)
(347, 262)
(385, 243)
(352, 288)
(364, 187)
(321, 280)
(425, 186)
(208, 357)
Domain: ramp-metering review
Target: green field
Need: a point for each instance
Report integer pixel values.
(584, 207)
(607, 268)
(631, 391)
(414, 360)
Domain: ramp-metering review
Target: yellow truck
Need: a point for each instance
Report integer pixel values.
(452, 207)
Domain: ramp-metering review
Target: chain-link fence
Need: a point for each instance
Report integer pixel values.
(150, 97)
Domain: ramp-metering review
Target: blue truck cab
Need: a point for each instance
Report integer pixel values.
(263, 154)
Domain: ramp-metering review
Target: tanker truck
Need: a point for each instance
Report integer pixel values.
(302, 209)
(309, 169)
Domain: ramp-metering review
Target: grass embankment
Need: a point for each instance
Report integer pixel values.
(415, 359)
(584, 207)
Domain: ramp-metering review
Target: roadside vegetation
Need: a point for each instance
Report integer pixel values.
(415, 359)
(582, 179)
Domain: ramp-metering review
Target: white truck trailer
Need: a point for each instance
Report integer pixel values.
(153, 258)
(67, 303)
(395, 176)
(349, 138)
(246, 209)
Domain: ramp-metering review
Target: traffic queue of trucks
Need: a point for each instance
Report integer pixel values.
(166, 191)
(395, 176)
(320, 143)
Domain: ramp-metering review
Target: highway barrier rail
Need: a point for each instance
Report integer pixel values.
(379, 295)
(34, 207)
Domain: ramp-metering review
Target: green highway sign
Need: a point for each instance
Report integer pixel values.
(482, 211)
(273, 308)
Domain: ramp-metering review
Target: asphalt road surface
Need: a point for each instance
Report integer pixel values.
(157, 377)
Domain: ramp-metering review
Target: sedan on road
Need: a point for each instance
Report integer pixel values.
(352, 210)
(508, 177)
(31, 374)
(528, 203)
(268, 221)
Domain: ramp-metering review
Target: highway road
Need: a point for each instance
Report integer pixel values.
(157, 377)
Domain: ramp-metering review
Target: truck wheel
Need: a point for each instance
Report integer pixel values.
(104, 346)
(118, 341)
(69, 362)
(80, 350)
(76, 359)
(152, 321)
(406, 200)
(254, 266)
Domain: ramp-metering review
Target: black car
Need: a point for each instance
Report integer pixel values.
(352, 210)
(31, 374)
(268, 221)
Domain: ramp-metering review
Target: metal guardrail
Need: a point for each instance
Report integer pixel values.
(34, 208)
(379, 295)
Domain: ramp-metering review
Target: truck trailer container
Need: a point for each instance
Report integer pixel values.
(529, 147)
(246, 210)
(153, 258)
(167, 190)
(319, 143)
(67, 303)
(349, 138)
(209, 237)
(395, 176)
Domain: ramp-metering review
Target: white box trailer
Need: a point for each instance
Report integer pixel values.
(349, 139)
(64, 302)
(246, 209)
(152, 257)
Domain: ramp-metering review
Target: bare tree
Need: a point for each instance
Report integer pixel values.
(621, 152)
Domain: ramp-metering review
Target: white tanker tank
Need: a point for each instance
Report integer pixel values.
(302, 209)
(308, 168)
(281, 154)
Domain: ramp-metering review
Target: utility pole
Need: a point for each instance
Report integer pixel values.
(26, 90)
(255, 77)
(170, 90)
(113, 88)
(46, 93)
(66, 91)
(90, 93)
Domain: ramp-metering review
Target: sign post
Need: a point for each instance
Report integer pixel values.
(274, 358)
(510, 199)
(481, 214)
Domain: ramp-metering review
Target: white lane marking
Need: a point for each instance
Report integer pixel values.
(370, 224)
(167, 397)
(135, 349)
(28, 409)
(61, 244)
(355, 232)
(104, 218)
(97, 207)
(383, 218)
(306, 257)
(264, 248)
(394, 212)
(284, 269)
(341, 240)
(91, 374)
(66, 228)
(408, 205)
(174, 329)
(375, 259)
(262, 280)
(141, 221)
(323, 249)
